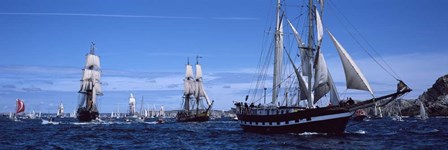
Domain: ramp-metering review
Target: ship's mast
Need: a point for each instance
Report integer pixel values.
(92, 48)
(187, 96)
(310, 51)
(278, 55)
(197, 98)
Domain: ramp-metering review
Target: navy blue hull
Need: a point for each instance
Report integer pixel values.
(86, 116)
(290, 120)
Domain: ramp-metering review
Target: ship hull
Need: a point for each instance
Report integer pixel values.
(86, 115)
(291, 120)
(202, 117)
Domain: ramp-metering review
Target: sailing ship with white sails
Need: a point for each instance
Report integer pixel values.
(131, 113)
(313, 80)
(60, 112)
(423, 115)
(90, 88)
(194, 97)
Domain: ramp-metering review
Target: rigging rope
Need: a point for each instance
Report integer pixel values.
(391, 72)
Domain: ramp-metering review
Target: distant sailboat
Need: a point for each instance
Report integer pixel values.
(20, 106)
(423, 114)
(194, 97)
(161, 115)
(60, 112)
(313, 80)
(90, 88)
(131, 106)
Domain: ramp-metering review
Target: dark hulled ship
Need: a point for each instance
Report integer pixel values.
(295, 110)
(196, 104)
(90, 88)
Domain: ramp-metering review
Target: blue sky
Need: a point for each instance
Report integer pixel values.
(144, 45)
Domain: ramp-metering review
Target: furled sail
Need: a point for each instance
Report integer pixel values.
(320, 29)
(303, 55)
(353, 76)
(278, 55)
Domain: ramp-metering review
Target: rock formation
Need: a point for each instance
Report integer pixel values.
(435, 100)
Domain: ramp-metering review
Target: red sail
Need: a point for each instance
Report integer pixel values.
(20, 106)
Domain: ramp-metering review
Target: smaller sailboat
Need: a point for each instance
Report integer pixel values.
(132, 107)
(60, 112)
(194, 97)
(161, 115)
(423, 115)
(20, 107)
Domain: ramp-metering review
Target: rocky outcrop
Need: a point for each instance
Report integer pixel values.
(435, 100)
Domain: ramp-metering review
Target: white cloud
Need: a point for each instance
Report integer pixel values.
(132, 16)
(418, 70)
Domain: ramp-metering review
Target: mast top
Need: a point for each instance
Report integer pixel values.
(92, 48)
(197, 59)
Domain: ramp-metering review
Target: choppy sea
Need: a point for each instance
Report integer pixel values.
(217, 134)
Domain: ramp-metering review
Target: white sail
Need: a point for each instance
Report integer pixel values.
(303, 86)
(92, 60)
(321, 86)
(354, 77)
(189, 86)
(60, 110)
(200, 91)
(320, 29)
(303, 55)
(131, 104)
(334, 95)
(98, 88)
(278, 55)
(198, 71)
(161, 112)
(94, 97)
(90, 79)
(189, 71)
(423, 114)
(321, 71)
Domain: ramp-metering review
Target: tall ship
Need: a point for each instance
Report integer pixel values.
(196, 104)
(132, 106)
(304, 96)
(90, 88)
(60, 112)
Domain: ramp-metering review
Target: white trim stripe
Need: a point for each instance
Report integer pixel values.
(301, 121)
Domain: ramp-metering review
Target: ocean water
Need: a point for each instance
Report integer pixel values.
(114, 134)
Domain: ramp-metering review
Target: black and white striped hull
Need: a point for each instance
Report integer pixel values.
(320, 120)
